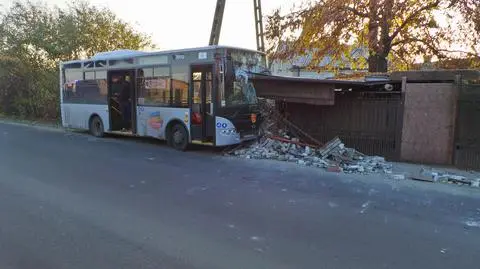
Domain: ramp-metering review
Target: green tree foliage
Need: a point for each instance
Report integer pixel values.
(34, 37)
(400, 31)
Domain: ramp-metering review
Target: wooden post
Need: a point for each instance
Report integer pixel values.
(400, 115)
(456, 118)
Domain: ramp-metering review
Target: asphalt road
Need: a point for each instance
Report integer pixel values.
(68, 200)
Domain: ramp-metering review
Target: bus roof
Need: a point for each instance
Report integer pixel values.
(120, 54)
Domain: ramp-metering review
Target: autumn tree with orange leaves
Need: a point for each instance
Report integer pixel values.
(396, 32)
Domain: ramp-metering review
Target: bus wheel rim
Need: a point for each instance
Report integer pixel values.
(97, 126)
(178, 137)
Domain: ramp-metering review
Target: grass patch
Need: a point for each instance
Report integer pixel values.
(31, 121)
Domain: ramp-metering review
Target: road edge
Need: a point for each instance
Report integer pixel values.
(33, 124)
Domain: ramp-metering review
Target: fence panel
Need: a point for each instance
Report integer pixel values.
(467, 137)
(366, 121)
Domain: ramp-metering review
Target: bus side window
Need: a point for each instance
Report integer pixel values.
(71, 76)
(140, 87)
(180, 86)
(220, 83)
(197, 82)
(153, 88)
(208, 86)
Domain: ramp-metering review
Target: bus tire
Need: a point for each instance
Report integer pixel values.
(178, 137)
(96, 126)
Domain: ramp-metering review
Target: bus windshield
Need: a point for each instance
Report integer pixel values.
(240, 89)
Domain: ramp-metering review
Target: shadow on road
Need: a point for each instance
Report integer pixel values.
(162, 143)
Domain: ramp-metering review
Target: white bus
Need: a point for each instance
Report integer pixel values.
(190, 96)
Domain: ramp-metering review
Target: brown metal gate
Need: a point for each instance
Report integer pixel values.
(467, 135)
(370, 122)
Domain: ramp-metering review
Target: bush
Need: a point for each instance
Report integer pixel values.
(28, 92)
(36, 37)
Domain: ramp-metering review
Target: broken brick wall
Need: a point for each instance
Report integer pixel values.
(429, 123)
(368, 122)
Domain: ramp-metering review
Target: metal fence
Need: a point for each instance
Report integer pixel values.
(370, 122)
(467, 133)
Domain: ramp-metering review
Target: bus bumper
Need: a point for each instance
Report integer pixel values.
(249, 137)
(226, 134)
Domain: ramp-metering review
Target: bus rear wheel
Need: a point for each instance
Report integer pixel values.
(96, 127)
(178, 137)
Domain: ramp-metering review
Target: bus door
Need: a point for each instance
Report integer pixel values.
(121, 105)
(202, 114)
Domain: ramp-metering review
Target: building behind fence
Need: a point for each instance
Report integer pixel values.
(431, 117)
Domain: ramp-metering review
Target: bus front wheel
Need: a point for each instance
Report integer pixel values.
(178, 137)
(96, 127)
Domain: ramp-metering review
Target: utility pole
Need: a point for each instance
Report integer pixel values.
(217, 23)
(218, 18)
(257, 5)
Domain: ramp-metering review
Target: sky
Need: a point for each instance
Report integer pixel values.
(177, 24)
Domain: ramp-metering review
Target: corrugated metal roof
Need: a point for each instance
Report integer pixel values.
(305, 59)
(318, 81)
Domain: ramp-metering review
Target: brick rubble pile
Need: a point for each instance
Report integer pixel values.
(434, 175)
(333, 155)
